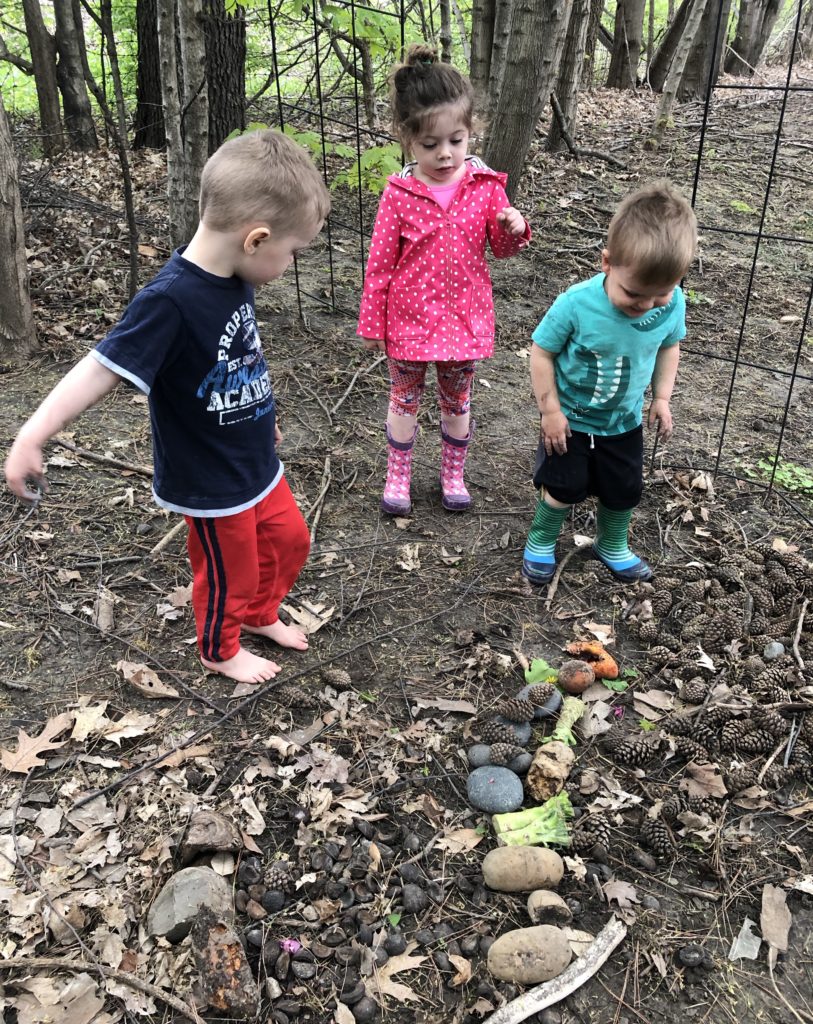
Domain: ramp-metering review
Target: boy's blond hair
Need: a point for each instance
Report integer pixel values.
(262, 176)
(654, 231)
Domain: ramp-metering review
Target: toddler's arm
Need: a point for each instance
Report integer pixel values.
(507, 230)
(554, 429)
(663, 383)
(382, 259)
(78, 390)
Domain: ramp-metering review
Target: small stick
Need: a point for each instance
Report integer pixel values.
(106, 460)
(554, 583)
(10, 684)
(553, 991)
(354, 378)
(771, 759)
(165, 540)
(797, 637)
(319, 504)
(108, 972)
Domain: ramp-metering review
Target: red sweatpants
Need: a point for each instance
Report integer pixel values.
(243, 566)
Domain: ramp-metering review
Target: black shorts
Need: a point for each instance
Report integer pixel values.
(612, 469)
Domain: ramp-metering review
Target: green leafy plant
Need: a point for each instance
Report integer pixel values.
(695, 298)
(371, 170)
(741, 207)
(369, 696)
(790, 476)
(540, 672)
(394, 920)
(616, 685)
(646, 725)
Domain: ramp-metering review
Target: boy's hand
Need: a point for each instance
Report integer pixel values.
(554, 431)
(24, 466)
(660, 415)
(375, 344)
(512, 220)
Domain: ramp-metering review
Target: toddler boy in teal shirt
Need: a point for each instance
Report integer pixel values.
(599, 347)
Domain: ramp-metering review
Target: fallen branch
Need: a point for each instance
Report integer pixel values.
(105, 460)
(580, 151)
(798, 634)
(361, 370)
(109, 972)
(557, 989)
(319, 503)
(554, 583)
(167, 538)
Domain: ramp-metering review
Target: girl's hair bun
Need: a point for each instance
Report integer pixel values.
(421, 54)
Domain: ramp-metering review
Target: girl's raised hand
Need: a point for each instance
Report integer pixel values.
(375, 344)
(512, 220)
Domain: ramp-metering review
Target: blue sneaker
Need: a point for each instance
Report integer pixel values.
(639, 572)
(538, 573)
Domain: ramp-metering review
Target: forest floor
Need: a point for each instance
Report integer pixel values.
(430, 617)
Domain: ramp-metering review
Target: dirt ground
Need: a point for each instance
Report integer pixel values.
(419, 611)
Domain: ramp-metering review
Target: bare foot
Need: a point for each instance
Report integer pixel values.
(285, 636)
(244, 667)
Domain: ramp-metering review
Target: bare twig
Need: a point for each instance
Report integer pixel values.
(167, 538)
(361, 370)
(550, 992)
(798, 634)
(318, 504)
(580, 151)
(554, 583)
(105, 460)
(109, 972)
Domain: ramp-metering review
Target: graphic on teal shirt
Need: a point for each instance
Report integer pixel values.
(604, 359)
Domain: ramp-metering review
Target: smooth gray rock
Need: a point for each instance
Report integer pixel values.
(177, 904)
(550, 707)
(413, 897)
(494, 790)
(521, 763)
(773, 651)
(522, 730)
(479, 755)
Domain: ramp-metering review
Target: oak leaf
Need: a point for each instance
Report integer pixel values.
(382, 983)
(29, 748)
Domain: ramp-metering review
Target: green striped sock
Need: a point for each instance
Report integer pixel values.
(612, 537)
(544, 532)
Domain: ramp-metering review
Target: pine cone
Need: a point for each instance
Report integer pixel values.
(727, 573)
(679, 725)
(671, 641)
(540, 693)
(716, 590)
(278, 876)
(784, 604)
(658, 837)
(759, 624)
(648, 631)
(690, 749)
(591, 830)
(504, 753)
(778, 776)
(694, 574)
(516, 709)
(704, 805)
(295, 696)
(695, 591)
(779, 674)
(694, 691)
(673, 806)
(743, 736)
(661, 602)
(636, 750)
(739, 779)
(763, 598)
(491, 731)
(338, 678)
(660, 655)
(770, 721)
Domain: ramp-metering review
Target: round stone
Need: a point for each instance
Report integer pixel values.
(773, 650)
(410, 872)
(273, 901)
(650, 902)
(395, 943)
(550, 707)
(365, 1011)
(522, 730)
(413, 898)
(479, 755)
(691, 956)
(521, 763)
(303, 971)
(494, 790)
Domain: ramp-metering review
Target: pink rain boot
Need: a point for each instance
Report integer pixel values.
(455, 496)
(395, 501)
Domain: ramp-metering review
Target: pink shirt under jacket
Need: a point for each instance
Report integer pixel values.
(427, 290)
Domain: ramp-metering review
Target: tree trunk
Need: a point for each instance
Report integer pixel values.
(703, 65)
(445, 31)
(670, 89)
(17, 337)
(482, 36)
(195, 111)
(176, 178)
(659, 68)
(501, 41)
(226, 65)
(148, 123)
(43, 57)
(754, 26)
(627, 43)
(593, 25)
(532, 59)
(571, 69)
(70, 41)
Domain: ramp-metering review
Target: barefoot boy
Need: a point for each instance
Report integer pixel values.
(596, 351)
(189, 341)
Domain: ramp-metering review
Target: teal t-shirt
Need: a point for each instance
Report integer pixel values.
(605, 359)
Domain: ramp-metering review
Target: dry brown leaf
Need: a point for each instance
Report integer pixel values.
(774, 921)
(179, 757)
(621, 893)
(27, 756)
(703, 780)
(463, 707)
(578, 940)
(382, 983)
(103, 617)
(89, 720)
(143, 679)
(131, 724)
(311, 617)
(460, 841)
(343, 1014)
(463, 967)
(409, 557)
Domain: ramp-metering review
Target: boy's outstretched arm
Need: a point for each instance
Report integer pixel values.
(553, 426)
(663, 384)
(78, 390)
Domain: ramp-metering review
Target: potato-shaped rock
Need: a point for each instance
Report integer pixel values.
(576, 676)
(522, 868)
(546, 907)
(527, 956)
(549, 770)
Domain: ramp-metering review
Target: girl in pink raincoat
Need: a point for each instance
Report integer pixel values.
(427, 291)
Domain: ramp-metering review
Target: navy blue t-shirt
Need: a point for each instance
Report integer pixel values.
(189, 341)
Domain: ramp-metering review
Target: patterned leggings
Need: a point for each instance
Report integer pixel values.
(408, 382)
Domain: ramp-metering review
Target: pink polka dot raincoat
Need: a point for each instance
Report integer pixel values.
(427, 290)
